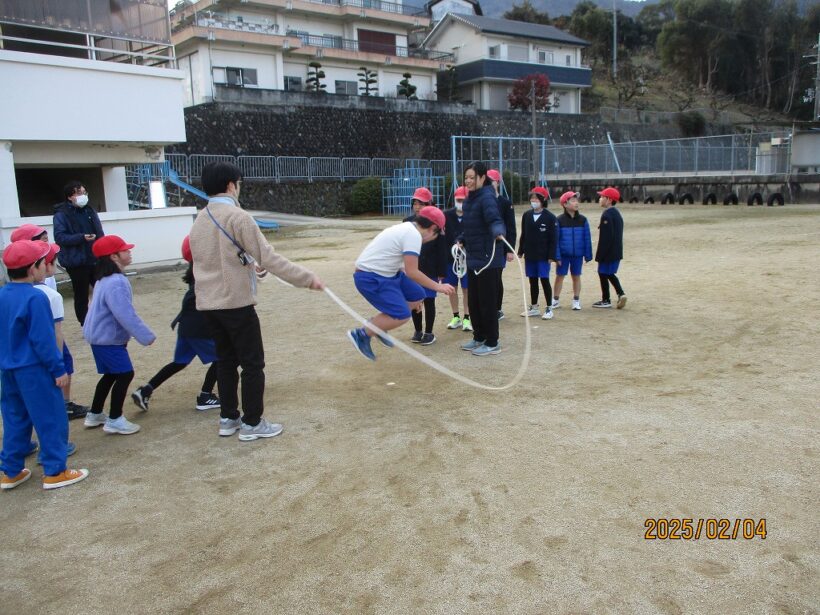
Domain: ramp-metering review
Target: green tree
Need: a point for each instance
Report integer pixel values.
(407, 89)
(367, 81)
(528, 13)
(313, 82)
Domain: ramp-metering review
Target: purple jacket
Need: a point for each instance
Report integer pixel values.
(111, 319)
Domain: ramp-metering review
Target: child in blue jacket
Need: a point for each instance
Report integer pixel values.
(575, 246)
(32, 372)
(110, 323)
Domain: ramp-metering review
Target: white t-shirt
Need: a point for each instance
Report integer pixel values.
(55, 299)
(385, 254)
(51, 282)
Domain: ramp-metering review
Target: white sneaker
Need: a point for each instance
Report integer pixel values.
(120, 425)
(95, 419)
(533, 311)
(576, 304)
(547, 315)
(555, 304)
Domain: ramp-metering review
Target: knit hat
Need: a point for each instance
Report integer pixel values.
(24, 253)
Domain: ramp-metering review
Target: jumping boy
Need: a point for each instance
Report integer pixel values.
(32, 373)
(610, 248)
(387, 275)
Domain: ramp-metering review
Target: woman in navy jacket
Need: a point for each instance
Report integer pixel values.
(483, 230)
(76, 227)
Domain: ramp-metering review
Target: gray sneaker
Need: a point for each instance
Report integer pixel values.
(471, 345)
(263, 430)
(228, 427)
(484, 350)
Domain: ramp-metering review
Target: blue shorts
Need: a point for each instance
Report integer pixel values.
(570, 263)
(609, 268)
(452, 279)
(389, 295)
(189, 348)
(68, 360)
(537, 269)
(111, 359)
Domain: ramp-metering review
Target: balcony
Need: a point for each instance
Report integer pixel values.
(501, 70)
(349, 44)
(377, 5)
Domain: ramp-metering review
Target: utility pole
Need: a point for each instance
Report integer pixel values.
(614, 41)
(534, 146)
(817, 82)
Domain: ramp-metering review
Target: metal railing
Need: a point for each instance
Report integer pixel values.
(326, 41)
(758, 153)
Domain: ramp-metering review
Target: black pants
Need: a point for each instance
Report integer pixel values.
(483, 302)
(545, 282)
(606, 279)
(82, 278)
(238, 340)
(174, 368)
(500, 287)
(117, 385)
(429, 315)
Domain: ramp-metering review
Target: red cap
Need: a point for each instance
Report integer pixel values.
(434, 215)
(186, 249)
(611, 193)
(52, 252)
(494, 175)
(110, 244)
(541, 191)
(423, 195)
(27, 231)
(460, 193)
(568, 195)
(23, 253)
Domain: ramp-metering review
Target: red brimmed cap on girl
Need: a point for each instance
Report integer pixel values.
(110, 244)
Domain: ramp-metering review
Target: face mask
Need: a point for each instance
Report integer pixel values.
(81, 200)
(535, 204)
(459, 205)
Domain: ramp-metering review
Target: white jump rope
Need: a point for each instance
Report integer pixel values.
(460, 269)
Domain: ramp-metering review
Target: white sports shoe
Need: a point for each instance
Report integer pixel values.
(576, 304)
(120, 425)
(555, 304)
(547, 314)
(533, 311)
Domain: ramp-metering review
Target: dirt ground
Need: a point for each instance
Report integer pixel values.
(396, 490)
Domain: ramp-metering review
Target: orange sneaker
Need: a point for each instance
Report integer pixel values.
(64, 479)
(10, 482)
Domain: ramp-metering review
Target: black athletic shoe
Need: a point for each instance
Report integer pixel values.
(427, 339)
(602, 304)
(416, 339)
(207, 401)
(141, 398)
(75, 411)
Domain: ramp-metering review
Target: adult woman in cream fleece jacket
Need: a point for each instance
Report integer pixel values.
(227, 245)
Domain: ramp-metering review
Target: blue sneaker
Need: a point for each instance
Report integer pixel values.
(471, 345)
(384, 340)
(361, 341)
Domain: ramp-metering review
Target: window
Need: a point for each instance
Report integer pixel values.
(293, 84)
(347, 87)
(544, 57)
(569, 60)
(240, 77)
(517, 53)
(377, 42)
(495, 52)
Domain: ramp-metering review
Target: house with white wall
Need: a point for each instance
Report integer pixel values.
(269, 44)
(491, 54)
(90, 88)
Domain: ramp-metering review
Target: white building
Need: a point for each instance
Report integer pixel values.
(491, 54)
(88, 90)
(268, 44)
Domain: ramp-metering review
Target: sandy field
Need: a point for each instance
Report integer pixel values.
(397, 490)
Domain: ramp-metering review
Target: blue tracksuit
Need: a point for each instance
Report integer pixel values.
(30, 362)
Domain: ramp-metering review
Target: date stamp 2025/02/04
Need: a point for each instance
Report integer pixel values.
(711, 528)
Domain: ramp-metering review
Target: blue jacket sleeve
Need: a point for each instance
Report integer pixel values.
(62, 233)
(42, 336)
(587, 242)
(123, 310)
(557, 240)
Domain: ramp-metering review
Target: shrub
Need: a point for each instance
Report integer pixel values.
(691, 123)
(366, 196)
